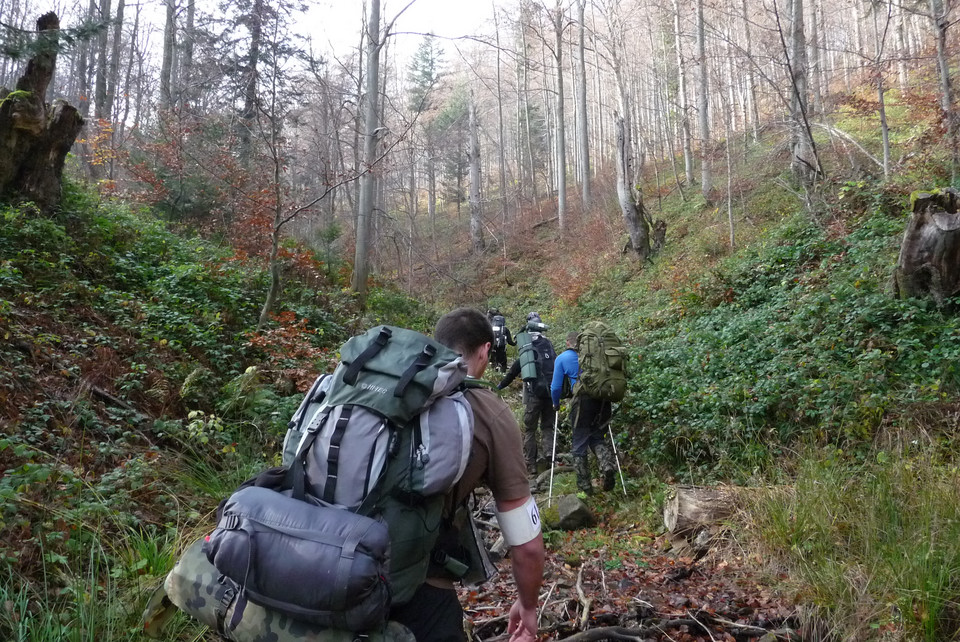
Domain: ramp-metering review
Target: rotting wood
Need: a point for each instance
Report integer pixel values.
(929, 261)
(35, 137)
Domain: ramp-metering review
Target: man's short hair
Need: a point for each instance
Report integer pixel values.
(572, 337)
(463, 330)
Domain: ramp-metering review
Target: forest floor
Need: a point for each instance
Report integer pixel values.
(620, 580)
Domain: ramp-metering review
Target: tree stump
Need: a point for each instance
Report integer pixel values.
(929, 262)
(693, 513)
(35, 137)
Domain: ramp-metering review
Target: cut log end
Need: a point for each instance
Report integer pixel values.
(691, 508)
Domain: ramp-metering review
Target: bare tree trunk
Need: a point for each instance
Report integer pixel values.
(166, 67)
(903, 49)
(100, 97)
(86, 63)
(814, 49)
(633, 220)
(941, 22)
(583, 131)
(728, 134)
(561, 136)
(683, 108)
(476, 208)
(501, 136)
(114, 76)
(249, 111)
(805, 166)
(880, 39)
(526, 117)
(703, 107)
(276, 157)
(127, 86)
(751, 77)
(368, 181)
(186, 80)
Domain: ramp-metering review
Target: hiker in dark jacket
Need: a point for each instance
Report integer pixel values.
(501, 338)
(589, 417)
(538, 409)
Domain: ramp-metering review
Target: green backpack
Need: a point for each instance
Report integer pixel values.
(603, 363)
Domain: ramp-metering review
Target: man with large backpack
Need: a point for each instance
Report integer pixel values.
(434, 614)
(534, 365)
(367, 520)
(593, 367)
(501, 338)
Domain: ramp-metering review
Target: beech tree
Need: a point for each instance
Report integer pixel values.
(703, 105)
(476, 209)
(361, 262)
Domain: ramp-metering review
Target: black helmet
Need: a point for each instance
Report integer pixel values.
(493, 312)
(534, 316)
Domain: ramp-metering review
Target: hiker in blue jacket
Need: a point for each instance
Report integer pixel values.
(565, 371)
(589, 417)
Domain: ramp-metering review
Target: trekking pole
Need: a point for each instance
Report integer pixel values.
(553, 457)
(617, 458)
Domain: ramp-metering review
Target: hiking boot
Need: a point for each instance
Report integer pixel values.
(583, 474)
(609, 480)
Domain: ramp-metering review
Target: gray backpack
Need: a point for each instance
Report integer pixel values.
(369, 455)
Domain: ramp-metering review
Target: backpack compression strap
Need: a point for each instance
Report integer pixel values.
(296, 474)
(422, 361)
(372, 350)
(333, 454)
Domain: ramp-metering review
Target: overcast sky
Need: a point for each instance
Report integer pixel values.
(337, 22)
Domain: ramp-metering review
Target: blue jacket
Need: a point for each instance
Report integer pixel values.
(566, 365)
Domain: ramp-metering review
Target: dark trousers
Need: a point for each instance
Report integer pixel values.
(498, 357)
(432, 615)
(589, 417)
(537, 414)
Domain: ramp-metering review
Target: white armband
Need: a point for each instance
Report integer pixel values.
(521, 524)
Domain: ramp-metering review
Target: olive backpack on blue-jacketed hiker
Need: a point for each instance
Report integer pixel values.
(602, 358)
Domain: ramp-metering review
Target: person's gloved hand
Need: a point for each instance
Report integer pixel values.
(556, 408)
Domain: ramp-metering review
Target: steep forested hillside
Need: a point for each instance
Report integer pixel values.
(726, 186)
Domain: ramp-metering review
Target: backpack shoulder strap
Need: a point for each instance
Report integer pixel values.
(476, 384)
(372, 350)
(422, 361)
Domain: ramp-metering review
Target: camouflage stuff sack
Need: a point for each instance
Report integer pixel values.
(201, 591)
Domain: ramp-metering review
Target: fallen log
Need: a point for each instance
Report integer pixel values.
(691, 508)
(693, 515)
(541, 223)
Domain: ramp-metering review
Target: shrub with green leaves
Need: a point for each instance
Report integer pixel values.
(799, 337)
